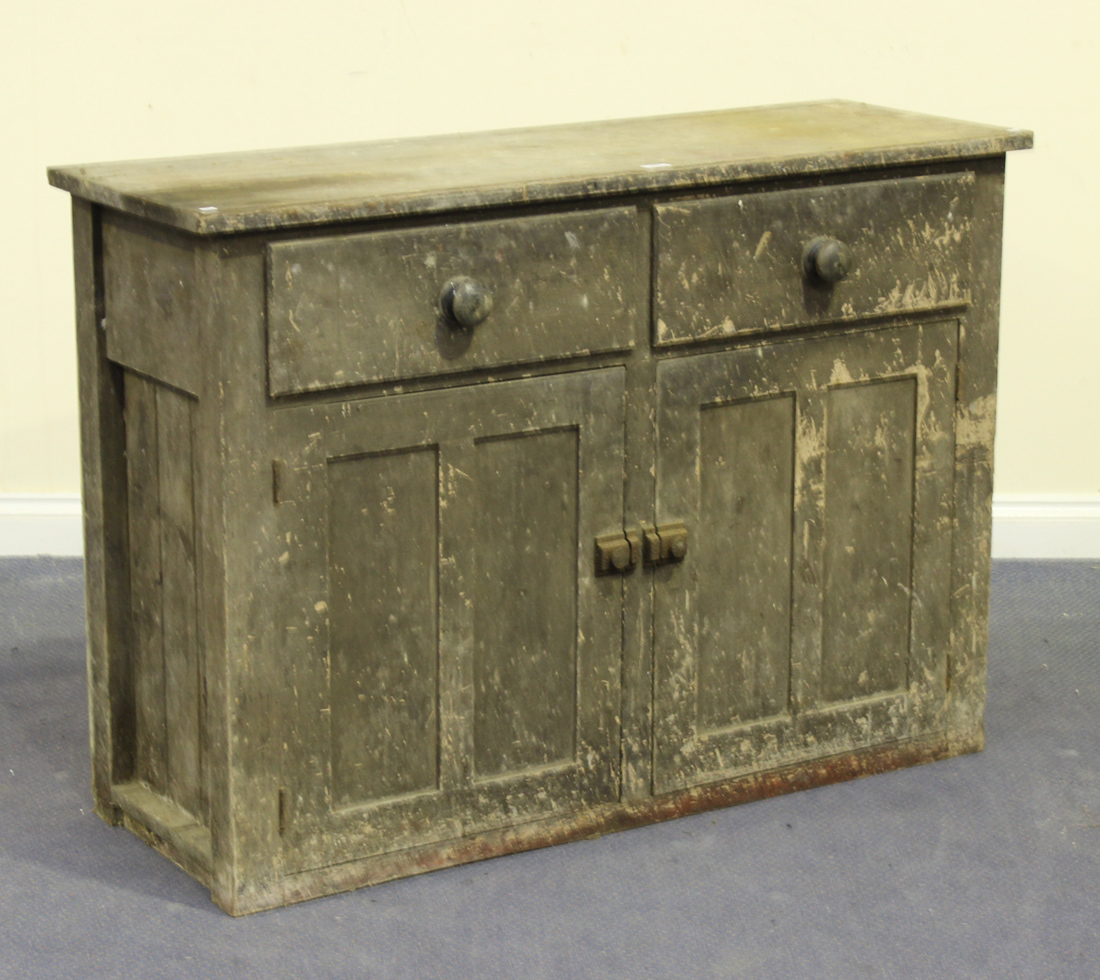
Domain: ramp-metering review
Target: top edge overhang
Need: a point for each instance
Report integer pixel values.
(274, 189)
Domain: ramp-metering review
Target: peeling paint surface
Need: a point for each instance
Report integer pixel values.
(910, 240)
(346, 616)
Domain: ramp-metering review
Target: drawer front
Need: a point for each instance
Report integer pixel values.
(363, 308)
(736, 265)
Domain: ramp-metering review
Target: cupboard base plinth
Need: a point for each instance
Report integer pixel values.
(612, 817)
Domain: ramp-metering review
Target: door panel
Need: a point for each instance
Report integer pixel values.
(811, 615)
(525, 602)
(744, 646)
(454, 662)
(868, 541)
(383, 628)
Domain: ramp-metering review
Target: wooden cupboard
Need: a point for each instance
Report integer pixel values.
(455, 496)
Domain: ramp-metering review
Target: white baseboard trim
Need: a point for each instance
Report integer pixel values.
(40, 524)
(1046, 526)
(1024, 526)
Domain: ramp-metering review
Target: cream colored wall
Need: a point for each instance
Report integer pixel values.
(122, 79)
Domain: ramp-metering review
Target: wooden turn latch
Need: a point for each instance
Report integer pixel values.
(624, 550)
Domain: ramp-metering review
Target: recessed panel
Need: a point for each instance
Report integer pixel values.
(165, 649)
(525, 602)
(869, 538)
(146, 583)
(182, 654)
(384, 666)
(742, 552)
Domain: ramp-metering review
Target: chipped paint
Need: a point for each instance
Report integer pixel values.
(910, 239)
(351, 319)
(976, 424)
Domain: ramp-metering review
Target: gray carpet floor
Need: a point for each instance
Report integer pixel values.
(986, 866)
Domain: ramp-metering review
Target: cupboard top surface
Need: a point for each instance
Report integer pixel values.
(269, 189)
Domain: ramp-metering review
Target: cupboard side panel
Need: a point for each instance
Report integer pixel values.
(182, 653)
(146, 592)
(106, 566)
(150, 293)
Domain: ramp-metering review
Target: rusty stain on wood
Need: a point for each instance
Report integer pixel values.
(596, 822)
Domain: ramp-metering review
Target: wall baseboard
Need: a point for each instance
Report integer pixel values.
(1046, 526)
(1024, 526)
(41, 524)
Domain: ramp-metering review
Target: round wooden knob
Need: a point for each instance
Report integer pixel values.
(827, 260)
(466, 301)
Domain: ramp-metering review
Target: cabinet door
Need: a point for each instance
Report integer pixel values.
(453, 662)
(811, 616)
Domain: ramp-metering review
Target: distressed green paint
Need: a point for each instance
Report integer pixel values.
(383, 599)
(345, 618)
(742, 553)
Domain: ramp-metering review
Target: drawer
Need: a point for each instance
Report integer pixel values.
(362, 308)
(738, 265)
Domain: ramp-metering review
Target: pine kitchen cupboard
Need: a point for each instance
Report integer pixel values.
(453, 496)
